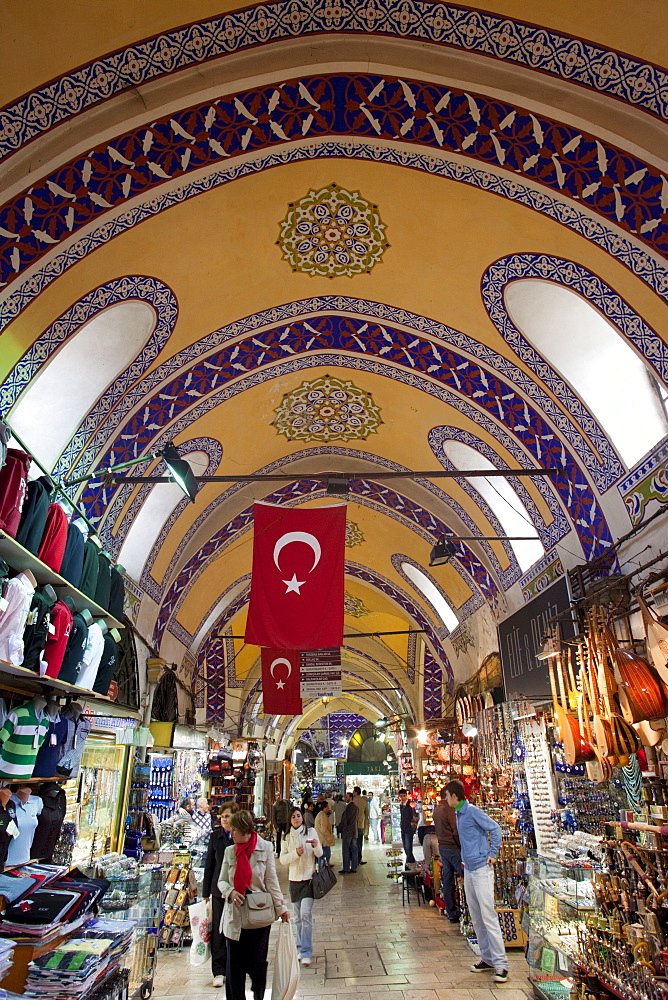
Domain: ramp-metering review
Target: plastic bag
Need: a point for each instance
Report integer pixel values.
(286, 967)
(200, 927)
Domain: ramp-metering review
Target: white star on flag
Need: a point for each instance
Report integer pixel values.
(293, 585)
(280, 685)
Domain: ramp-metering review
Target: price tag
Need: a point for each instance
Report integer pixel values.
(4, 604)
(52, 629)
(12, 829)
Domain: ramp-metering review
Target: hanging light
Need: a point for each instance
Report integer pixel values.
(180, 471)
(549, 648)
(442, 552)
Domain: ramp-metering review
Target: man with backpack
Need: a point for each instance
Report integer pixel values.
(280, 812)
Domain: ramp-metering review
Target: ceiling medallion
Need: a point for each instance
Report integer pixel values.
(327, 410)
(332, 232)
(354, 534)
(354, 606)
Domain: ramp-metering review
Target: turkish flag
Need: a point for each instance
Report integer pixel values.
(296, 595)
(280, 682)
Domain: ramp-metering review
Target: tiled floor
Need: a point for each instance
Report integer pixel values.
(424, 956)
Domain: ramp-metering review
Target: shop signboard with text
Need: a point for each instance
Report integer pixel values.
(326, 767)
(367, 767)
(520, 640)
(320, 672)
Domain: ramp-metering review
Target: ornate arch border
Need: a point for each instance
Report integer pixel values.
(553, 53)
(500, 135)
(561, 271)
(139, 287)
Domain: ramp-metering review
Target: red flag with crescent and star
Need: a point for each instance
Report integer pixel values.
(280, 682)
(296, 595)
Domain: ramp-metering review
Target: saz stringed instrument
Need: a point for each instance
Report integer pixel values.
(576, 749)
(644, 694)
(620, 736)
(600, 769)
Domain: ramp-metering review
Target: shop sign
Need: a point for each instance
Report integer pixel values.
(520, 639)
(326, 767)
(367, 767)
(189, 739)
(320, 673)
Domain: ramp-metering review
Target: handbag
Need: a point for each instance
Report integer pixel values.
(322, 880)
(286, 967)
(257, 910)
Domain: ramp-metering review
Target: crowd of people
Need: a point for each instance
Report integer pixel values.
(240, 863)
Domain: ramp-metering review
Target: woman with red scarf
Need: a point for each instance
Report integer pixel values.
(248, 866)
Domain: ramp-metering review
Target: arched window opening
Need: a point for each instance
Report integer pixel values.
(502, 499)
(588, 351)
(432, 595)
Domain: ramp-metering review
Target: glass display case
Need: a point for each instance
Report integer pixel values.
(560, 897)
(136, 896)
(97, 809)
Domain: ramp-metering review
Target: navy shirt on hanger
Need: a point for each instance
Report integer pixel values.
(51, 750)
(72, 565)
(34, 514)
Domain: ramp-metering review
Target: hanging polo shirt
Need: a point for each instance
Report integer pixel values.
(21, 736)
(5, 435)
(34, 513)
(72, 565)
(54, 539)
(103, 589)
(116, 594)
(26, 820)
(76, 645)
(18, 593)
(56, 644)
(51, 749)
(78, 729)
(37, 630)
(50, 820)
(91, 565)
(108, 660)
(13, 485)
(91, 658)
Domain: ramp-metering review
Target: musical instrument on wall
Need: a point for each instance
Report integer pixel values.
(576, 748)
(645, 696)
(615, 732)
(599, 769)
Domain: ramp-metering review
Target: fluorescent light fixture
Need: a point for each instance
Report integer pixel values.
(180, 471)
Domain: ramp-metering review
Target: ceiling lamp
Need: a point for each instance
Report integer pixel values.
(549, 648)
(442, 552)
(180, 471)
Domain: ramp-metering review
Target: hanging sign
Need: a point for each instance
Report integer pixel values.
(320, 673)
(520, 639)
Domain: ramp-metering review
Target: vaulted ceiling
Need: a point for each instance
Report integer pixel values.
(300, 238)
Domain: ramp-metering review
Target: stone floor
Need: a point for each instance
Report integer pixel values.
(423, 956)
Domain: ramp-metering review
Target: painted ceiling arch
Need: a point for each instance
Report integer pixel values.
(173, 164)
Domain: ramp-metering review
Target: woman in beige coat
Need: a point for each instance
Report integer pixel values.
(248, 866)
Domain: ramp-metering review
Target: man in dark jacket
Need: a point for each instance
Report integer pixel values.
(220, 839)
(349, 836)
(445, 823)
(408, 824)
(280, 813)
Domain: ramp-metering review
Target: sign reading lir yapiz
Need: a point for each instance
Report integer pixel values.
(320, 671)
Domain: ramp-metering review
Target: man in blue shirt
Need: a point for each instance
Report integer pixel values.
(480, 838)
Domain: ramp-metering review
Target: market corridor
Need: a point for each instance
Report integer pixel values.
(415, 953)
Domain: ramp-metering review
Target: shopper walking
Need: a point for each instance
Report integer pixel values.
(339, 809)
(220, 840)
(408, 824)
(323, 827)
(300, 849)
(202, 819)
(480, 838)
(349, 836)
(362, 821)
(248, 866)
(280, 812)
(374, 817)
(445, 823)
(308, 812)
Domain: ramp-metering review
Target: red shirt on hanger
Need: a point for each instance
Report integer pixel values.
(54, 539)
(56, 644)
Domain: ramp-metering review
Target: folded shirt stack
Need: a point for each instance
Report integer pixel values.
(70, 971)
(53, 908)
(6, 956)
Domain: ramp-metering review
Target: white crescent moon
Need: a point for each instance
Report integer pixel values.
(278, 660)
(298, 536)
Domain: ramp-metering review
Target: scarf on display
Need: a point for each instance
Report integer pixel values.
(243, 872)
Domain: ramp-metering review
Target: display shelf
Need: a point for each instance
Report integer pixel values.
(31, 683)
(21, 559)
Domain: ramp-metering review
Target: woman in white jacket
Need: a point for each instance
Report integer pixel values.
(299, 850)
(248, 866)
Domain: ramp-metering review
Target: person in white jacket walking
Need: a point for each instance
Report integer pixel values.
(299, 850)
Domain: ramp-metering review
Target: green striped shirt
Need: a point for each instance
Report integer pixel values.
(21, 736)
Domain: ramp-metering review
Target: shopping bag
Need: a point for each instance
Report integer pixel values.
(286, 967)
(200, 927)
(323, 880)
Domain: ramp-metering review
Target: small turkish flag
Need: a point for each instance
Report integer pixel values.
(280, 682)
(296, 596)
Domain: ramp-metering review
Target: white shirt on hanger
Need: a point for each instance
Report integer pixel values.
(91, 658)
(18, 594)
